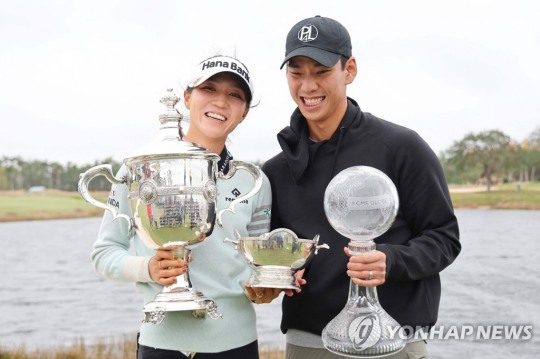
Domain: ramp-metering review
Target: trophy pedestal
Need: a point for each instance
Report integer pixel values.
(181, 299)
(273, 277)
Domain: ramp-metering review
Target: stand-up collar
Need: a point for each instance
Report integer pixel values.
(294, 139)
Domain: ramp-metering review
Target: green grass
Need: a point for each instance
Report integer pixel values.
(504, 196)
(25, 204)
(52, 204)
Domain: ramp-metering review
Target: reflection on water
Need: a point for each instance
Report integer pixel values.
(49, 293)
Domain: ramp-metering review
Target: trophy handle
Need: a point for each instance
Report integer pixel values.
(105, 171)
(257, 176)
(319, 246)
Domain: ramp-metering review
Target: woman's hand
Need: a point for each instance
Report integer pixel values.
(266, 295)
(261, 295)
(164, 267)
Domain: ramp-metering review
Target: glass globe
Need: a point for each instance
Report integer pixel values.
(361, 203)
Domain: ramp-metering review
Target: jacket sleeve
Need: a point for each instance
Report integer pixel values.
(260, 219)
(425, 237)
(111, 255)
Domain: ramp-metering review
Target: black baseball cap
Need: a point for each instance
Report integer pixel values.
(320, 38)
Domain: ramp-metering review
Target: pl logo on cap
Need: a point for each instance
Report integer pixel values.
(308, 33)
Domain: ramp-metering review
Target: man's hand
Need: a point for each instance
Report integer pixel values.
(367, 270)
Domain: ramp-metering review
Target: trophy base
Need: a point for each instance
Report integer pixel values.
(363, 332)
(188, 299)
(362, 355)
(273, 277)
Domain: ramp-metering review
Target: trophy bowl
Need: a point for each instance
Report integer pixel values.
(276, 256)
(171, 186)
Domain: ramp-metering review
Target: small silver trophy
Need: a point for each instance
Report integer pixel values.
(276, 256)
(172, 191)
(361, 203)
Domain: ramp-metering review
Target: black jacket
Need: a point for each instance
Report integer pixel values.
(423, 240)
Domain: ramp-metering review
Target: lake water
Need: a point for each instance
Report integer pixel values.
(50, 295)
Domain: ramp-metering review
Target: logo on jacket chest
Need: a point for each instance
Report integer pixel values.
(236, 193)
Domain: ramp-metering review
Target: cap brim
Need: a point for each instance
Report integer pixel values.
(323, 57)
(209, 73)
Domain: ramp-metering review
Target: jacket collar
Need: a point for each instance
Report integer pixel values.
(294, 139)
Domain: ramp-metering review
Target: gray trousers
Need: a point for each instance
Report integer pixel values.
(414, 350)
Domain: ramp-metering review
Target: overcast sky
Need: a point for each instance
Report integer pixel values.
(81, 80)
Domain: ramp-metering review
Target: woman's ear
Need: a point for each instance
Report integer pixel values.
(245, 114)
(187, 97)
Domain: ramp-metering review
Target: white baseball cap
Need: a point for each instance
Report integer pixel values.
(217, 64)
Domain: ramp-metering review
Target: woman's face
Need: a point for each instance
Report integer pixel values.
(216, 107)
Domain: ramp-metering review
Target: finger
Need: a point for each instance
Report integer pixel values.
(290, 292)
(250, 292)
(166, 281)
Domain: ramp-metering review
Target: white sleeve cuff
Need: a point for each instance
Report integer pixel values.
(136, 269)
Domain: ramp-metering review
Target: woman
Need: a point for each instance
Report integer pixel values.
(218, 99)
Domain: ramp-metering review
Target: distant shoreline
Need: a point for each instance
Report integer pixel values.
(55, 204)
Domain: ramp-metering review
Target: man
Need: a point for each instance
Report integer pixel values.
(327, 134)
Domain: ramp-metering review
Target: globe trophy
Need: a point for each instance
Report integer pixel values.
(276, 256)
(361, 204)
(172, 191)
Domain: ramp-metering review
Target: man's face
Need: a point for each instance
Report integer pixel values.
(319, 91)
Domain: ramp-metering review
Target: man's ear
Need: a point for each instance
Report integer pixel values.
(351, 70)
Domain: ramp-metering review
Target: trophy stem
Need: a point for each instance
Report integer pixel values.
(363, 329)
(180, 296)
(182, 281)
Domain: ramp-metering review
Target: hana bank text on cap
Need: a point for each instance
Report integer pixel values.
(218, 64)
(320, 38)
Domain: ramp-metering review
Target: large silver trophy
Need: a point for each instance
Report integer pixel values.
(276, 256)
(172, 190)
(361, 203)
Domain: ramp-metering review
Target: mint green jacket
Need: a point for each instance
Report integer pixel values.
(217, 270)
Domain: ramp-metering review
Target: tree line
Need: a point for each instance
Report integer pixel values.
(492, 157)
(487, 157)
(19, 174)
